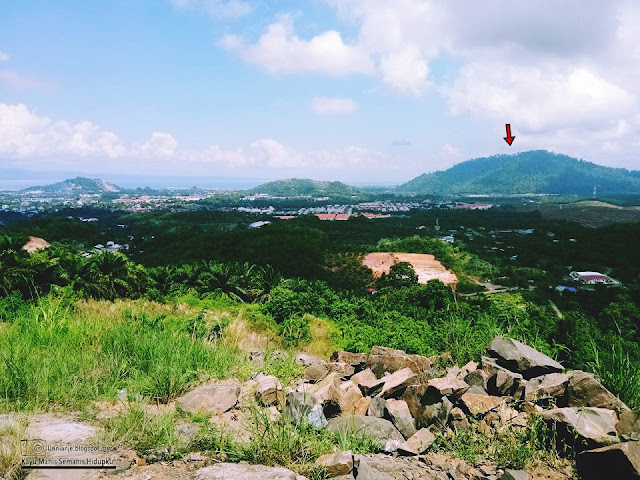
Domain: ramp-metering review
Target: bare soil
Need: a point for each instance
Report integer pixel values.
(425, 265)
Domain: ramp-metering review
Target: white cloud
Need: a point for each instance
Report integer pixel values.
(4, 56)
(217, 8)
(29, 139)
(279, 50)
(333, 106)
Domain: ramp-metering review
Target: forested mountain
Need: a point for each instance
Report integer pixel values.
(78, 185)
(295, 187)
(537, 171)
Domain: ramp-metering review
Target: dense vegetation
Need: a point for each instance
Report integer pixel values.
(527, 172)
(296, 187)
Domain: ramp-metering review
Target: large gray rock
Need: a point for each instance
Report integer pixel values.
(399, 414)
(478, 404)
(544, 387)
(500, 381)
(301, 407)
(213, 399)
(426, 405)
(383, 361)
(316, 372)
(619, 462)
(585, 391)
(515, 475)
(382, 467)
(344, 370)
(629, 425)
(340, 463)
(448, 386)
(356, 360)
(380, 429)
(589, 427)
(368, 383)
(377, 407)
(521, 358)
(236, 471)
(477, 378)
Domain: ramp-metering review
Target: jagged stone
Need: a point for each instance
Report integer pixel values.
(585, 391)
(449, 386)
(316, 372)
(237, 471)
(426, 405)
(377, 407)
(478, 404)
(458, 420)
(356, 360)
(340, 463)
(398, 412)
(418, 443)
(629, 425)
(515, 475)
(306, 359)
(380, 429)
(362, 406)
(344, 370)
(269, 391)
(345, 398)
(590, 427)
(213, 399)
(395, 383)
(322, 391)
(551, 386)
(500, 380)
(619, 462)
(383, 467)
(301, 407)
(521, 358)
(367, 382)
(477, 378)
(383, 361)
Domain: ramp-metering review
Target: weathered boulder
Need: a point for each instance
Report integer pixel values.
(306, 359)
(629, 425)
(380, 429)
(478, 404)
(585, 391)
(396, 383)
(322, 391)
(316, 372)
(356, 360)
(213, 399)
(301, 407)
(477, 378)
(521, 358)
(377, 407)
(418, 443)
(269, 390)
(367, 382)
(343, 398)
(383, 361)
(398, 412)
(590, 427)
(340, 463)
(500, 381)
(448, 386)
(458, 419)
(384, 467)
(515, 475)
(344, 370)
(619, 462)
(426, 405)
(551, 386)
(236, 471)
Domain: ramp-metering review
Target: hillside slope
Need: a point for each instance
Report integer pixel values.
(78, 185)
(527, 172)
(295, 187)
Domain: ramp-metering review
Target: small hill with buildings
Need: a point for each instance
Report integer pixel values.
(76, 186)
(303, 187)
(539, 172)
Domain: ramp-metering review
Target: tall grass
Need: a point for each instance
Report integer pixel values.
(617, 372)
(60, 353)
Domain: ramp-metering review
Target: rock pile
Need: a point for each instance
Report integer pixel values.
(403, 401)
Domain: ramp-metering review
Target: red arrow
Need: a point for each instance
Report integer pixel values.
(509, 139)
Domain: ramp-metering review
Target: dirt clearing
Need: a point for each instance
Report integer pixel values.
(425, 265)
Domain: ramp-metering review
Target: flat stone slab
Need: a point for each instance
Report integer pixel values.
(213, 399)
(237, 471)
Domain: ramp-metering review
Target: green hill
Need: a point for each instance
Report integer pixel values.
(76, 186)
(298, 187)
(527, 172)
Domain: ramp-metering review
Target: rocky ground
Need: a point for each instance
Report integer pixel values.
(411, 406)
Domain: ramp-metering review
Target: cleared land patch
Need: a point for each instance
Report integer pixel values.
(425, 265)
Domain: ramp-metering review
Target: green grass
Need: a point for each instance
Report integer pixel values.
(59, 353)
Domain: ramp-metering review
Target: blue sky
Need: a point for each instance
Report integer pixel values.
(354, 90)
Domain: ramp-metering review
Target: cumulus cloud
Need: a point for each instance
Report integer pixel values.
(279, 50)
(27, 137)
(217, 8)
(333, 106)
